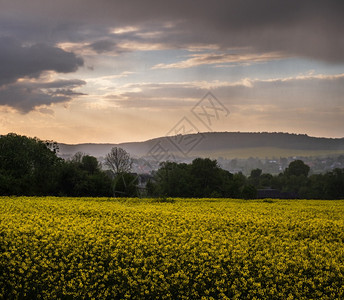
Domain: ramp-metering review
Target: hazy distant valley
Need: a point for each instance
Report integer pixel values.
(235, 151)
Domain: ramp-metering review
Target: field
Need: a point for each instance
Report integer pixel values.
(171, 248)
(264, 152)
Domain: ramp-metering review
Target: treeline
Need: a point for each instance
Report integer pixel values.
(29, 166)
(204, 178)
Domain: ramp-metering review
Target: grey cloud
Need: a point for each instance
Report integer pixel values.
(138, 102)
(223, 58)
(19, 61)
(66, 92)
(72, 83)
(27, 96)
(309, 92)
(313, 92)
(301, 28)
(24, 62)
(160, 94)
(103, 46)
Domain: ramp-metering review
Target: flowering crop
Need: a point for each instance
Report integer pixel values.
(94, 248)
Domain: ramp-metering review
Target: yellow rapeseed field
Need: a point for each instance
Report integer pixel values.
(93, 248)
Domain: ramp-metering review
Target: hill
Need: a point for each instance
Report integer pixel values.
(219, 144)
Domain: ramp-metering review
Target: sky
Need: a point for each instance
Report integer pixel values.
(104, 71)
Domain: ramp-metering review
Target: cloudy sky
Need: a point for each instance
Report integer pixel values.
(115, 71)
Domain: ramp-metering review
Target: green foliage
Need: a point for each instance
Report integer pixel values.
(82, 176)
(201, 178)
(249, 192)
(90, 164)
(30, 167)
(297, 168)
(256, 173)
(254, 178)
(27, 166)
(125, 185)
(207, 177)
(172, 179)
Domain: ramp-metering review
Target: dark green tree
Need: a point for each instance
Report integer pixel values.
(254, 178)
(90, 164)
(206, 177)
(125, 185)
(172, 180)
(82, 176)
(248, 192)
(201, 178)
(334, 184)
(27, 166)
(297, 168)
(239, 180)
(265, 180)
(294, 179)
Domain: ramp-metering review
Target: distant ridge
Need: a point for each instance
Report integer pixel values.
(224, 144)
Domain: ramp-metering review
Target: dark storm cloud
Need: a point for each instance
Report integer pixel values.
(26, 62)
(19, 61)
(301, 28)
(26, 96)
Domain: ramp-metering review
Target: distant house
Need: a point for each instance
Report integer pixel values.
(275, 194)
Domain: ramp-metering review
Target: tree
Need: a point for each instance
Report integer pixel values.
(82, 176)
(334, 184)
(297, 168)
(90, 164)
(202, 178)
(265, 180)
(254, 178)
(249, 192)
(172, 179)
(27, 166)
(118, 160)
(256, 173)
(239, 180)
(206, 176)
(125, 185)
